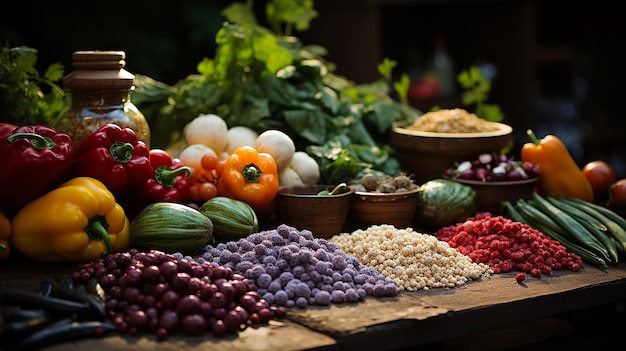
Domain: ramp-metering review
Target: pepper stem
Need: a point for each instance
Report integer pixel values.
(97, 230)
(251, 173)
(166, 176)
(532, 137)
(121, 152)
(38, 141)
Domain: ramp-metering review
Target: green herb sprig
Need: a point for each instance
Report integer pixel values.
(477, 88)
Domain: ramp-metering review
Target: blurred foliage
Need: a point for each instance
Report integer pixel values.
(26, 96)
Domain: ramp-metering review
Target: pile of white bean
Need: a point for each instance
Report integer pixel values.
(413, 260)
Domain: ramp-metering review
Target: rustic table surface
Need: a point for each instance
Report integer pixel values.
(401, 322)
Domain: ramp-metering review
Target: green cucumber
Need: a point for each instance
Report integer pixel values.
(170, 227)
(232, 219)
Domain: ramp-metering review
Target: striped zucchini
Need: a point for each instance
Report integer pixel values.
(232, 219)
(170, 227)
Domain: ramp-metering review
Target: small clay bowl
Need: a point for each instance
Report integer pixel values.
(489, 195)
(375, 208)
(300, 207)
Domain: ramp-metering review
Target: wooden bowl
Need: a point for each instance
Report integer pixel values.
(427, 155)
(489, 195)
(301, 207)
(374, 208)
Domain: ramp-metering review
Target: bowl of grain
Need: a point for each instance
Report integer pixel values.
(439, 139)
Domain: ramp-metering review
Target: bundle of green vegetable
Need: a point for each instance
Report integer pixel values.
(595, 233)
(264, 79)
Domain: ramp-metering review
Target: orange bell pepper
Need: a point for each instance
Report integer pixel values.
(249, 176)
(560, 175)
(5, 236)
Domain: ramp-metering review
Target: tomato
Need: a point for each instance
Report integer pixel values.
(201, 192)
(600, 175)
(617, 191)
(209, 160)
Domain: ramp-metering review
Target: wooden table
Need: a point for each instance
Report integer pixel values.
(402, 322)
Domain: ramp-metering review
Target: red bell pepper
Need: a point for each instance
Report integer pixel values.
(114, 156)
(169, 182)
(34, 160)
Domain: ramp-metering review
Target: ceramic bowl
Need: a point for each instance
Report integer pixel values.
(300, 207)
(375, 208)
(427, 155)
(489, 195)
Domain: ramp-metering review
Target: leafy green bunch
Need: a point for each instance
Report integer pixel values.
(26, 96)
(262, 79)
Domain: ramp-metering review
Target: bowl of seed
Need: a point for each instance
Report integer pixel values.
(383, 199)
(437, 140)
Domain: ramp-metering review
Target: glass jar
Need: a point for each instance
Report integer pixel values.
(99, 90)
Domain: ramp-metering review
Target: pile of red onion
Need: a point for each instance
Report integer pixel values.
(493, 167)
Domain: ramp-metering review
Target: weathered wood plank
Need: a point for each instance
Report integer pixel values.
(411, 318)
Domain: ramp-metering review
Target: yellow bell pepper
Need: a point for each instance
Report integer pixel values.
(5, 236)
(78, 221)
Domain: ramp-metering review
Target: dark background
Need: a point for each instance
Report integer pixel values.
(556, 63)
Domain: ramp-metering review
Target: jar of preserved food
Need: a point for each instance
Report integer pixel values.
(99, 90)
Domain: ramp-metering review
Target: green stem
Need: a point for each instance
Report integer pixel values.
(166, 176)
(532, 137)
(39, 142)
(251, 173)
(339, 189)
(121, 152)
(97, 230)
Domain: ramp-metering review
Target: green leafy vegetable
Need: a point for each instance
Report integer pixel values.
(262, 79)
(298, 13)
(26, 96)
(402, 86)
(477, 88)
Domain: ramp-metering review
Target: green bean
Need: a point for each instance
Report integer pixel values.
(615, 223)
(512, 212)
(590, 222)
(544, 220)
(572, 226)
